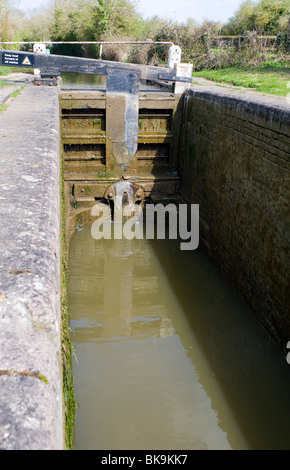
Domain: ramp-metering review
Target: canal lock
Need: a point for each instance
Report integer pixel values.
(93, 176)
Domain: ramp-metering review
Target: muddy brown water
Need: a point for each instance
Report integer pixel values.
(166, 355)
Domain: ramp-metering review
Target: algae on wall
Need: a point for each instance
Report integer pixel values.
(67, 347)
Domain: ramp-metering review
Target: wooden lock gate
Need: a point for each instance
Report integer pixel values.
(120, 132)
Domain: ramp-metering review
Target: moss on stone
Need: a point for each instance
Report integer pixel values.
(67, 347)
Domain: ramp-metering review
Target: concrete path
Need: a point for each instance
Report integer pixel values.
(6, 91)
(15, 81)
(31, 411)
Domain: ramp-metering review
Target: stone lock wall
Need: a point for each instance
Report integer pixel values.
(31, 401)
(234, 162)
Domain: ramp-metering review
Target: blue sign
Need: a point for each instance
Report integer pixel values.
(16, 59)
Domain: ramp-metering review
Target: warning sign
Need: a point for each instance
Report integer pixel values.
(17, 59)
(26, 61)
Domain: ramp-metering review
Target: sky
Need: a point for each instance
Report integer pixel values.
(181, 10)
(177, 10)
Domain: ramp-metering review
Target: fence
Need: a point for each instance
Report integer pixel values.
(100, 43)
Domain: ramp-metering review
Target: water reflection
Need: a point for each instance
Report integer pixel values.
(136, 384)
(83, 81)
(163, 348)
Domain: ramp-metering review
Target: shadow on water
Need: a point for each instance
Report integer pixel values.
(168, 357)
(253, 374)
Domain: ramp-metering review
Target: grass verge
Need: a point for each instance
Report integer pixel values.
(5, 70)
(270, 78)
(3, 83)
(8, 70)
(3, 107)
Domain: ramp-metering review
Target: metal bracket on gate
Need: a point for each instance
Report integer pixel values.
(122, 109)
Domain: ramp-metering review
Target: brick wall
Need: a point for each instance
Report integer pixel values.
(234, 163)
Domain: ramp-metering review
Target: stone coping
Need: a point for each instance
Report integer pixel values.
(31, 409)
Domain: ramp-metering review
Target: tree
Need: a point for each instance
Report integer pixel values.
(272, 14)
(10, 19)
(92, 20)
(264, 16)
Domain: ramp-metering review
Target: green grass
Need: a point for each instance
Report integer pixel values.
(12, 95)
(3, 83)
(3, 107)
(6, 70)
(16, 92)
(272, 78)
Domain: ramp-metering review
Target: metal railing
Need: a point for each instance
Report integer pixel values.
(101, 43)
